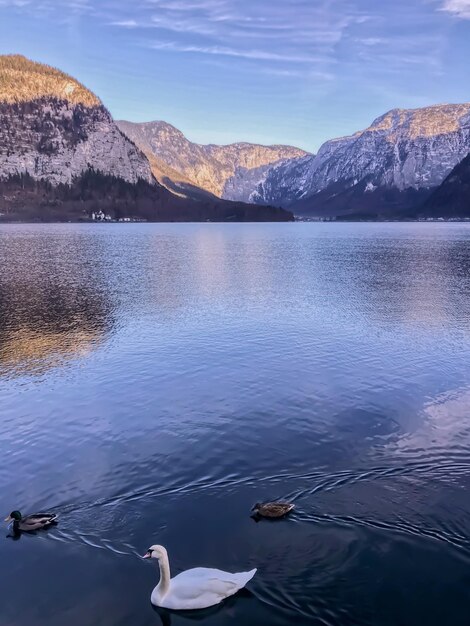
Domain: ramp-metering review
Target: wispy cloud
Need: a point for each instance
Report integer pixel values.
(285, 39)
(61, 9)
(460, 8)
(126, 24)
(372, 41)
(260, 55)
(309, 38)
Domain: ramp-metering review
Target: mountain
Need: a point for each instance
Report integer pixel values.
(62, 155)
(284, 182)
(452, 197)
(229, 172)
(388, 167)
(53, 128)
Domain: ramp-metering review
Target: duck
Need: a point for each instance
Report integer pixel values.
(35, 521)
(273, 510)
(197, 588)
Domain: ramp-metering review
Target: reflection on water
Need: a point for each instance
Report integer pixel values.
(52, 308)
(157, 380)
(41, 329)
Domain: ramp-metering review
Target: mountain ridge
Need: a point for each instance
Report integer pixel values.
(208, 166)
(23, 80)
(56, 131)
(61, 153)
(402, 149)
(53, 128)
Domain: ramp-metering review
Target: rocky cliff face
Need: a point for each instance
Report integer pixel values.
(452, 197)
(225, 171)
(402, 150)
(62, 156)
(283, 183)
(54, 129)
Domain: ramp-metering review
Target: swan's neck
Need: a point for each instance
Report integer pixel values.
(164, 584)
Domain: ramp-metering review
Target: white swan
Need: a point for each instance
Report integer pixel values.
(196, 588)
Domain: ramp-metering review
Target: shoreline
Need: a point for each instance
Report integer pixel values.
(463, 220)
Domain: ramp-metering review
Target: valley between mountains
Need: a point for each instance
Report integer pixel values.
(63, 157)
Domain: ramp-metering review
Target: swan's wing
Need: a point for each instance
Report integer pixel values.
(201, 587)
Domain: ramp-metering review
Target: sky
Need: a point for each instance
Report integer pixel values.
(296, 72)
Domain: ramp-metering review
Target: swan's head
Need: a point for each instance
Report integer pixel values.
(156, 552)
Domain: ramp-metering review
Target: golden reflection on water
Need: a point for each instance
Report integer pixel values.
(25, 351)
(53, 310)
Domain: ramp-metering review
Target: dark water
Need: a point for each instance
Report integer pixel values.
(157, 380)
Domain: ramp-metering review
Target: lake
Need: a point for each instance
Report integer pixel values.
(156, 380)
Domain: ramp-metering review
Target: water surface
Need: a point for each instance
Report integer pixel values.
(157, 380)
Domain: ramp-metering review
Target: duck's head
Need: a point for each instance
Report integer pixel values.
(15, 516)
(255, 508)
(156, 552)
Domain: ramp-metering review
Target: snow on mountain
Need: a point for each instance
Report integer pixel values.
(401, 150)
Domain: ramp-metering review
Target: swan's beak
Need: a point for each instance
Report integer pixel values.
(147, 555)
(8, 519)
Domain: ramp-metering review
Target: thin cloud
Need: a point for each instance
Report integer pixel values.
(126, 24)
(231, 52)
(373, 41)
(38, 7)
(316, 38)
(460, 8)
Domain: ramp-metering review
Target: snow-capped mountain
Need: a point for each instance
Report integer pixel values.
(230, 172)
(402, 150)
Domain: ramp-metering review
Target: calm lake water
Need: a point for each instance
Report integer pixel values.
(158, 380)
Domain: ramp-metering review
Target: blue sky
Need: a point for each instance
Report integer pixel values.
(268, 71)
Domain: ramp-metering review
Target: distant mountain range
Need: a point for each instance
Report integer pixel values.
(385, 171)
(181, 163)
(62, 156)
(391, 166)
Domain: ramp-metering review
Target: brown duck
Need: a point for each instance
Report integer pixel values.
(36, 521)
(273, 510)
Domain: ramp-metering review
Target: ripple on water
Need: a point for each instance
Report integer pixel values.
(158, 380)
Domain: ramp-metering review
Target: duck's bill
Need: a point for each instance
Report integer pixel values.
(147, 555)
(8, 519)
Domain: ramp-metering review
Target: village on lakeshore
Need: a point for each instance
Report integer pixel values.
(100, 216)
